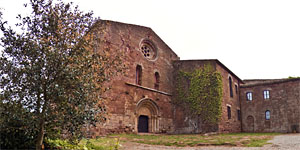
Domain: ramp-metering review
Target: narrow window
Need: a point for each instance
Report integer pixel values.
(249, 96)
(266, 94)
(236, 89)
(138, 75)
(229, 112)
(239, 115)
(157, 80)
(268, 115)
(230, 87)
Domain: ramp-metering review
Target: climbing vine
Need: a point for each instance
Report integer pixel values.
(200, 92)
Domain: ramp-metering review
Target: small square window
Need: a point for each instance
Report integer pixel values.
(266, 94)
(249, 96)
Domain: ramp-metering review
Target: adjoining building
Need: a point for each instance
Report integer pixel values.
(270, 105)
(141, 99)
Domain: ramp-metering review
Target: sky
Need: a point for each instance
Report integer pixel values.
(257, 39)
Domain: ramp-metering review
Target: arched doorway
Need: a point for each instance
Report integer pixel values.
(147, 116)
(143, 124)
(250, 124)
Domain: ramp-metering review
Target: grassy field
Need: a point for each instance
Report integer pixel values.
(103, 143)
(113, 142)
(231, 139)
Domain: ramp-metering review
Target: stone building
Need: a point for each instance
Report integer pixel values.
(140, 100)
(230, 116)
(270, 105)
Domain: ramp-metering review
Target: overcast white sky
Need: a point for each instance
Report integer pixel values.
(254, 39)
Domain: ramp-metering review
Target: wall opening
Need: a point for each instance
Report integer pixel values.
(157, 80)
(229, 112)
(138, 75)
(143, 124)
(147, 118)
(230, 87)
(250, 124)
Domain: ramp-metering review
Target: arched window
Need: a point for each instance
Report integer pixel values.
(230, 87)
(138, 75)
(268, 115)
(157, 80)
(229, 112)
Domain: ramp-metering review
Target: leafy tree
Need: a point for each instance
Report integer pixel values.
(54, 71)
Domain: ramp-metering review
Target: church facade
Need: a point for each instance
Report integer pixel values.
(140, 100)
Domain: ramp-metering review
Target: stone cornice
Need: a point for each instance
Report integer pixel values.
(149, 89)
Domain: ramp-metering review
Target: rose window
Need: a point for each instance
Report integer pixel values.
(148, 50)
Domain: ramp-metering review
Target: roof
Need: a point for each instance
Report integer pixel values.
(217, 62)
(258, 82)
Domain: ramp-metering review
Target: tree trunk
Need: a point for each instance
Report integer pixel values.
(40, 137)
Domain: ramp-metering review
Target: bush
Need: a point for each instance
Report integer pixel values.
(16, 138)
(15, 130)
(90, 144)
(61, 144)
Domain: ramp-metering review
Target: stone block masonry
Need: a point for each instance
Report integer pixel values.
(141, 99)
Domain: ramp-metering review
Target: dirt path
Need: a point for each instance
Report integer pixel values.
(281, 142)
(286, 142)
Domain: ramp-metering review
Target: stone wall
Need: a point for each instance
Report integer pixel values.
(147, 89)
(184, 123)
(233, 124)
(127, 100)
(283, 104)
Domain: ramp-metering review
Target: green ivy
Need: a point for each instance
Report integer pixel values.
(200, 92)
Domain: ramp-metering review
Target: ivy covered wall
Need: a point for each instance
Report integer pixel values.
(198, 97)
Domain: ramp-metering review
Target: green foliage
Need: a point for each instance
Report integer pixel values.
(54, 70)
(291, 77)
(15, 129)
(201, 92)
(90, 144)
(102, 143)
(62, 144)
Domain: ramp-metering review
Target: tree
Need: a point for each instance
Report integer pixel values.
(54, 70)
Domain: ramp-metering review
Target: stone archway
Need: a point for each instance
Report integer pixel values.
(147, 116)
(250, 124)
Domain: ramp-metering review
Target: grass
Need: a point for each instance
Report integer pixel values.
(112, 142)
(101, 143)
(231, 139)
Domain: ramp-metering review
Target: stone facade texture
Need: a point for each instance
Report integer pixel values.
(234, 123)
(140, 100)
(185, 124)
(283, 104)
(127, 100)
